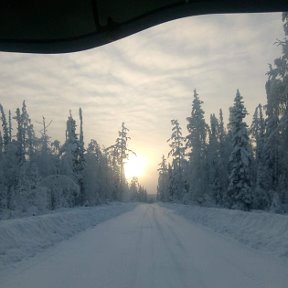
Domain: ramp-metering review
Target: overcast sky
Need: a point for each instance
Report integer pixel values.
(147, 79)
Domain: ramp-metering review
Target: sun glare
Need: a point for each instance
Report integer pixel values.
(134, 167)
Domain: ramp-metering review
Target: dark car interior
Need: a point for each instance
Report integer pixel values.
(62, 26)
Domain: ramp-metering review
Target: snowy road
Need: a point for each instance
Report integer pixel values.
(148, 247)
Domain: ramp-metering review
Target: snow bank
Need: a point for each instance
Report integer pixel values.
(260, 230)
(22, 238)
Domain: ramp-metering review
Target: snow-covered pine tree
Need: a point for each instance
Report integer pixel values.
(163, 181)
(91, 174)
(44, 140)
(272, 137)
(5, 129)
(25, 136)
(122, 149)
(277, 121)
(98, 177)
(111, 157)
(142, 194)
(196, 143)
(177, 152)
(171, 184)
(134, 189)
(119, 152)
(70, 155)
(214, 161)
(225, 150)
(80, 159)
(261, 197)
(68, 149)
(2, 186)
(31, 141)
(28, 177)
(1, 145)
(20, 138)
(28, 136)
(239, 194)
(10, 126)
(11, 173)
(10, 161)
(108, 178)
(47, 161)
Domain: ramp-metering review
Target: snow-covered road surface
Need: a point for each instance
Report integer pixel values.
(149, 246)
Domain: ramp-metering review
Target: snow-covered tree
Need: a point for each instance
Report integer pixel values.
(80, 160)
(97, 176)
(119, 152)
(20, 138)
(272, 137)
(47, 161)
(142, 194)
(62, 191)
(277, 121)
(197, 144)
(239, 193)
(5, 128)
(225, 150)
(37, 173)
(163, 181)
(2, 186)
(214, 167)
(261, 199)
(71, 157)
(134, 189)
(177, 152)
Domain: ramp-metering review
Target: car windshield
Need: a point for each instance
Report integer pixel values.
(173, 141)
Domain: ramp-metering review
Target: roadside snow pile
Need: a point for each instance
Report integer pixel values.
(260, 230)
(22, 238)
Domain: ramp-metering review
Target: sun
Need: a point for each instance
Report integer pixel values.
(134, 167)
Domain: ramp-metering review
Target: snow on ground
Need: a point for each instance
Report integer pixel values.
(149, 246)
(260, 230)
(25, 237)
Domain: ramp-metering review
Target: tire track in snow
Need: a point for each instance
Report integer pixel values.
(168, 237)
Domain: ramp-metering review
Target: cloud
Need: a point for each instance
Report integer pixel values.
(147, 79)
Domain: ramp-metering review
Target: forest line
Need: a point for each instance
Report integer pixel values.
(237, 166)
(38, 174)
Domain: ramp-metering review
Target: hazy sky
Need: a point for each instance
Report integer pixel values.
(146, 80)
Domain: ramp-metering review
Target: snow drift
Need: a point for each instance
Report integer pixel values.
(25, 237)
(264, 231)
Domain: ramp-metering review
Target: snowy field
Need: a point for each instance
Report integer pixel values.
(149, 246)
(260, 230)
(25, 237)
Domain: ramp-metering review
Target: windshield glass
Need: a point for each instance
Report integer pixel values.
(147, 80)
(167, 150)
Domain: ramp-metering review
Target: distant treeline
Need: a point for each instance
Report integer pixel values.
(37, 173)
